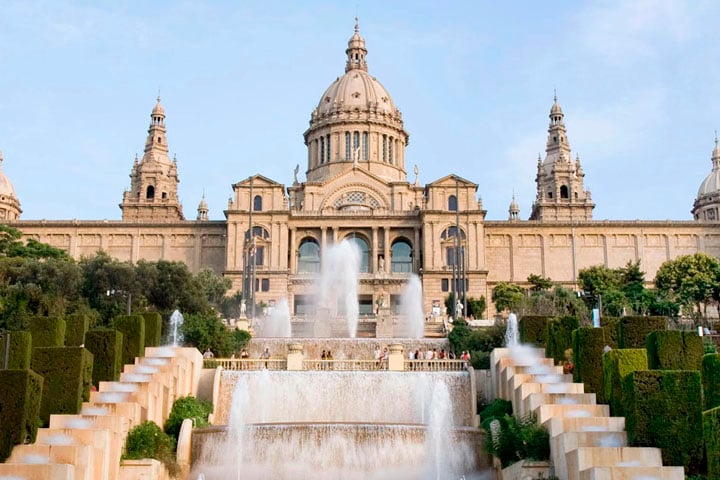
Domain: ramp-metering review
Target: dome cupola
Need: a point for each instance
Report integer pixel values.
(9, 203)
(356, 124)
(707, 202)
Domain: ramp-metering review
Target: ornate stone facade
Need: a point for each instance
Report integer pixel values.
(357, 188)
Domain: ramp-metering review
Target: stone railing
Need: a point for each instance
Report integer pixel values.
(344, 365)
(436, 365)
(246, 363)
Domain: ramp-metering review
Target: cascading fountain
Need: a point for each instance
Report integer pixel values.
(277, 324)
(337, 289)
(176, 321)
(512, 335)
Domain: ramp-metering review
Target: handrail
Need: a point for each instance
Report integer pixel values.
(246, 363)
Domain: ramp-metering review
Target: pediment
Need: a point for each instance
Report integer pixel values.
(451, 180)
(258, 181)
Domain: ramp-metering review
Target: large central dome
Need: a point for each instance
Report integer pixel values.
(356, 124)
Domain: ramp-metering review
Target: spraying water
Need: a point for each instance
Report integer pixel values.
(338, 285)
(277, 324)
(176, 321)
(412, 320)
(512, 336)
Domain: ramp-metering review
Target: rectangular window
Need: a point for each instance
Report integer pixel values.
(347, 146)
(390, 150)
(450, 257)
(328, 148)
(265, 285)
(384, 148)
(259, 256)
(322, 150)
(444, 284)
(365, 145)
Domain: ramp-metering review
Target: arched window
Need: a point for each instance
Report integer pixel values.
(308, 256)
(328, 147)
(257, 203)
(365, 146)
(356, 143)
(322, 149)
(384, 148)
(401, 257)
(364, 253)
(564, 192)
(390, 150)
(451, 232)
(452, 203)
(348, 157)
(150, 193)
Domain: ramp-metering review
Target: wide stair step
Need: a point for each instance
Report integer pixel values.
(633, 473)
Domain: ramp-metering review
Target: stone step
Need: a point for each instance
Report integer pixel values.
(561, 444)
(30, 471)
(533, 401)
(525, 389)
(584, 458)
(80, 456)
(132, 411)
(99, 439)
(507, 368)
(555, 376)
(546, 412)
(633, 473)
(559, 425)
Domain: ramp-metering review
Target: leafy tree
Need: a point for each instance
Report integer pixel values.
(176, 288)
(12, 245)
(212, 285)
(692, 281)
(559, 301)
(106, 284)
(476, 307)
(507, 296)
(187, 407)
(599, 279)
(230, 305)
(539, 283)
(203, 331)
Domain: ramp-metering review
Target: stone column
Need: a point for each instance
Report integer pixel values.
(416, 251)
(386, 246)
(374, 251)
(293, 251)
(295, 356)
(396, 359)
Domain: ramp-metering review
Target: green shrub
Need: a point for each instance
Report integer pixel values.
(133, 330)
(106, 345)
(663, 408)
(617, 364)
(187, 407)
(519, 439)
(711, 434)
(147, 440)
(612, 330)
(20, 350)
(634, 330)
(47, 332)
(559, 336)
(67, 372)
(153, 329)
(711, 380)
(674, 350)
(20, 394)
(497, 409)
(75, 330)
(533, 329)
(588, 348)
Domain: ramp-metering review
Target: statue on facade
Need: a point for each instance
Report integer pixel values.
(295, 174)
(243, 309)
(381, 265)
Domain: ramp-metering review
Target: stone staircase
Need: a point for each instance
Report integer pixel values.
(88, 446)
(586, 443)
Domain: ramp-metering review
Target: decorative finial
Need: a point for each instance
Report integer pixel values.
(555, 95)
(716, 139)
(357, 25)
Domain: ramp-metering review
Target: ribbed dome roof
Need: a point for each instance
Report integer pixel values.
(6, 186)
(356, 90)
(711, 184)
(158, 109)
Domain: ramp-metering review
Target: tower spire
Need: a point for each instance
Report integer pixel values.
(356, 51)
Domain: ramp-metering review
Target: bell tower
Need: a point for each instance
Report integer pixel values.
(153, 180)
(560, 190)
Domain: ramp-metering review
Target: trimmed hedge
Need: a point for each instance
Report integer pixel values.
(711, 432)
(674, 350)
(634, 330)
(20, 394)
(68, 374)
(106, 345)
(77, 325)
(612, 330)
(133, 330)
(711, 380)
(663, 408)
(588, 346)
(153, 329)
(20, 350)
(533, 329)
(559, 336)
(617, 364)
(47, 332)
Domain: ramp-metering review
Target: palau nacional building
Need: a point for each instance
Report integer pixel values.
(357, 186)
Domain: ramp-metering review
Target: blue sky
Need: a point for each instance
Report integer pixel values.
(638, 81)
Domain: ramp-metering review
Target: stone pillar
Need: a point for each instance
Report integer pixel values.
(295, 356)
(416, 251)
(293, 251)
(374, 251)
(386, 245)
(396, 359)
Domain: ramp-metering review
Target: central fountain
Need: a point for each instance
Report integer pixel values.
(328, 424)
